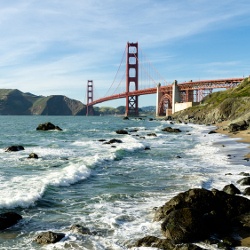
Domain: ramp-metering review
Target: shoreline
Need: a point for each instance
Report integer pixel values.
(242, 136)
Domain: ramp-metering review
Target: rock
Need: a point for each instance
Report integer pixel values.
(152, 134)
(238, 126)
(49, 237)
(80, 229)
(171, 130)
(147, 148)
(121, 132)
(48, 126)
(33, 156)
(231, 189)
(125, 118)
(9, 219)
(14, 148)
(244, 181)
(101, 140)
(246, 191)
(209, 212)
(212, 132)
(113, 141)
(184, 225)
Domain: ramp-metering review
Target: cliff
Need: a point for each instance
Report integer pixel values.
(15, 102)
(231, 105)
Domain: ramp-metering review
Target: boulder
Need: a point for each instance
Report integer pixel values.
(212, 132)
(49, 237)
(125, 118)
(184, 225)
(171, 130)
(48, 126)
(113, 141)
(80, 229)
(33, 156)
(246, 191)
(199, 213)
(238, 126)
(14, 148)
(152, 134)
(9, 219)
(244, 181)
(121, 132)
(231, 189)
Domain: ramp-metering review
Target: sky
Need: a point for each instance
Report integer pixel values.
(53, 47)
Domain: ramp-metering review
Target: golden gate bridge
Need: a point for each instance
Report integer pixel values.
(170, 98)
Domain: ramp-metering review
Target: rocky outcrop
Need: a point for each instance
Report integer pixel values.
(121, 132)
(9, 219)
(14, 148)
(49, 237)
(198, 214)
(48, 126)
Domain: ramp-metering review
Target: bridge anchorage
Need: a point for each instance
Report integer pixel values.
(170, 98)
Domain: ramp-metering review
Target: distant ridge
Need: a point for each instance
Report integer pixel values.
(15, 102)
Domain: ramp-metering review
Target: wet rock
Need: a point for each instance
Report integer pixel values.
(183, 225)
(33, 156)
(244, 181)
(49, 237)
(152, 134)
(101, 140)
(121, 132)
(9, 219)
(14, 148)
(212, 132)
(171, 130)
(113, 141)
(231, 189)
(147, 148)
(246, 191)
(80, 229)
(48, 126)
(125, 118)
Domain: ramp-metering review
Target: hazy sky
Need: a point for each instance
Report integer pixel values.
(52, 47)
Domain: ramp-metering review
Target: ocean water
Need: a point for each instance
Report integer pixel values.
(112, 189)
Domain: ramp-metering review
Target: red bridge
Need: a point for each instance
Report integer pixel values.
(169, 97)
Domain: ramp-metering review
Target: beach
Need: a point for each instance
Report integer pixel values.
(242, 136)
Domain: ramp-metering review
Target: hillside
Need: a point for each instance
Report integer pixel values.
(15, 102)
(230, 105)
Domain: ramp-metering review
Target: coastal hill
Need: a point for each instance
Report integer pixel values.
(231, 105)
(15, 102)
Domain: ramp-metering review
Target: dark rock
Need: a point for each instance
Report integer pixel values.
(121, 132)
(247, 191)
(49, 237)
(147, 148)
(244, 181)
(125, 118)
(80, 229)
(231, 189)
(183, 225)
(238, 126)
(14, 148)
(244, 174)
(33, 156)
(113, 141)
(101, 140)
(9, 219)
(171, 130)
(211, 212)
(152, 134)
(48, 126)
(212, 132)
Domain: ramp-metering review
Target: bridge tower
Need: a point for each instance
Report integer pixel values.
(90, 97)
(132, 79)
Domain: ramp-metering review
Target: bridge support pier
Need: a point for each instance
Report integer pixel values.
(176, 96)
(90, 98)
(159, 95)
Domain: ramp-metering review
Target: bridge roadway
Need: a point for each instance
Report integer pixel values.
(184, 86)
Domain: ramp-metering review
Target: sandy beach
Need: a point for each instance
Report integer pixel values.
(243, 136)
